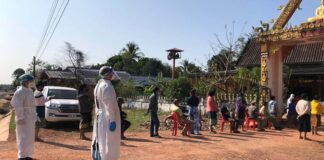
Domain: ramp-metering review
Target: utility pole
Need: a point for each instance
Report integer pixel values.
(34, 67)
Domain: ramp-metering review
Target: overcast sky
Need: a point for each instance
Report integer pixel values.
(101, 28)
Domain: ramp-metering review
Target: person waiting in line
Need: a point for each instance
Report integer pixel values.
(193, 102)
(253, 113)
(289, 101)
(176, 108)
(125, 124)
(226, 114)
(153, 110)
(292, 114)
(266, 117)
(40, 108)
(273, 107)
(212, 109)
(85, 108)
(24, 104)
(317, 110)
(303, 110)
(239, 114)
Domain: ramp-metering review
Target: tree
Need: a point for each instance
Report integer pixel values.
(15, 75)
(42, 65)
(178, 88)
(75, 58)
(248, 79)
(188, 67)
(131, 51)
(150, 66)
(126, 90)
(223, 62)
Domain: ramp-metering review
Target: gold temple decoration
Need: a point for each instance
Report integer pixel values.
(264, 72)
(319, 14)
(286, 14)
(271, 40)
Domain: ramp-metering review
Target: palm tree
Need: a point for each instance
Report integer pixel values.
(185, 66)
(131, 51)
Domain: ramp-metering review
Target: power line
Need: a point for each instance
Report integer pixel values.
(46, 27)
(67, 3)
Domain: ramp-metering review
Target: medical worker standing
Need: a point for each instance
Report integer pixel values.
(106, 133)
(24, 103)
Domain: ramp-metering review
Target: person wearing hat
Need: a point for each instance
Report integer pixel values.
(24, 104)
(106, 130)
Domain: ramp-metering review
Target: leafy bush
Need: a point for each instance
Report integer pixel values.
(126, 89)
(178, 88)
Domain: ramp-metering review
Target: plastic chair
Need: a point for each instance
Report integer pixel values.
(268, 123)
(247, 122)
(223, 123)
(176, 123)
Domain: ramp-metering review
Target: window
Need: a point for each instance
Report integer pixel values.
(62, 94)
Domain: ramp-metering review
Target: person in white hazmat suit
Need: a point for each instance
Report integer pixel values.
(24, 103)
(106, 130)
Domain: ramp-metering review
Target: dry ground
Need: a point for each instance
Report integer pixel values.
(63, 144)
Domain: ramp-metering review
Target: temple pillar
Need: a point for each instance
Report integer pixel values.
(275, 75)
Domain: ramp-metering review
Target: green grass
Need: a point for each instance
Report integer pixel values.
(12, 125)
(137, 117)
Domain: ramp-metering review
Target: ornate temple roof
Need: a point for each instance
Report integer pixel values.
(312, 53)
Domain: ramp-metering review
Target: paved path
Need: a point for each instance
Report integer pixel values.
(4, 129)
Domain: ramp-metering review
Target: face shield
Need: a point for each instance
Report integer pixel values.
(113, 76)
(107, 72)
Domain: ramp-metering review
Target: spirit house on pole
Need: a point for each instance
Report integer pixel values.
(174, 54)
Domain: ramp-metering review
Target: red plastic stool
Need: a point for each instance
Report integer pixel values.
(223, 123)
(247, 122)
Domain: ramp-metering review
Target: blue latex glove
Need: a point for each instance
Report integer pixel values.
(112, 126)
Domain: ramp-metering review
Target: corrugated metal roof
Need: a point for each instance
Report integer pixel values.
(251, 54)
(312, 53)
(88, 76)
(60, 74)
(306, 53)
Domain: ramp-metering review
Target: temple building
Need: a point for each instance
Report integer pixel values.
(304, 67)
(299, 47)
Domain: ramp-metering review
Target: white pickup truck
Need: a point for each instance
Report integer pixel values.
(64, 106)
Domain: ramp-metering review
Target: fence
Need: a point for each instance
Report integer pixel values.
(142, 102)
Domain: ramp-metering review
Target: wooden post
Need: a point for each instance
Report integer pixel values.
(173, 69)
(34, 67)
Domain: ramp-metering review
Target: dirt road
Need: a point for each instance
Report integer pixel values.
(271, 145)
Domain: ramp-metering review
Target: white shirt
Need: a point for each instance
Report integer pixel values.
(39, 98)
(303, 107)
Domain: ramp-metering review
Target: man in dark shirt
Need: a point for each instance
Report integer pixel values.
(85, 110)
(153, 109)
(125, 124)
(193, 102)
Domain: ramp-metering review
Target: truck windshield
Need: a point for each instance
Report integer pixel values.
(62, 94)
